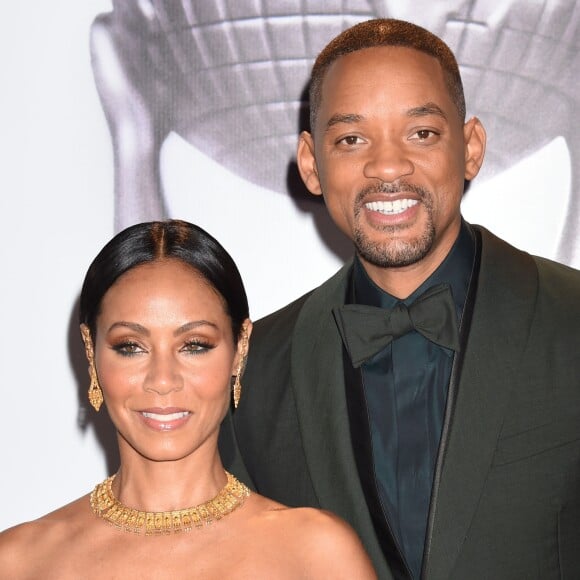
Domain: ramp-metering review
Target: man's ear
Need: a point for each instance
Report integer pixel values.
(307, 163)
(475, 138)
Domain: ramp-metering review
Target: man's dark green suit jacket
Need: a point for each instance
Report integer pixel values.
(506, 497)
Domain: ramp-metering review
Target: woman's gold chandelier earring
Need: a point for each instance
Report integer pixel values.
(95, 393)
(237, 386)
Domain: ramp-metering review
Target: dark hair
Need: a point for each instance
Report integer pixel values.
(386, 32)
(147, 242)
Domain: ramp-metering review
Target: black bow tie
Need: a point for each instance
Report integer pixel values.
(366, 330)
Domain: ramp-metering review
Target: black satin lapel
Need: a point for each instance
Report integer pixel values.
(499, 307)
(465, 325)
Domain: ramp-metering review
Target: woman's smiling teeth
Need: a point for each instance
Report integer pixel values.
(391, 207)
(166, 418)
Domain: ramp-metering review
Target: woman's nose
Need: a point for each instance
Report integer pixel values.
(163, 375)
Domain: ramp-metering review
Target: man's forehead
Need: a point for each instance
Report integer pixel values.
(354, 79)
(382, 68)
(386, 53)
(382, 65)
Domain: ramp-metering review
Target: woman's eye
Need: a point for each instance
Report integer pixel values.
(197, 347)
(127, 348)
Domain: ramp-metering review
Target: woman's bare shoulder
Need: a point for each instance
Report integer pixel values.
(326, 544)
(24, 544)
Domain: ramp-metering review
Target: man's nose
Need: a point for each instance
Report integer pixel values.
(388, 162)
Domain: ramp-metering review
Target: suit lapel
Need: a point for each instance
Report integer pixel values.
(319, 390)
(502, 315)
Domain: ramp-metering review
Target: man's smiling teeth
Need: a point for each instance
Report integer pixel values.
(166, 418)
(391, 207)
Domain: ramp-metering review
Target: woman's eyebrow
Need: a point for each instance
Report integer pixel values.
(132, 325)
(194, 324)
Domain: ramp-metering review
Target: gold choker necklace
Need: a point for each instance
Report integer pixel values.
(105, 505)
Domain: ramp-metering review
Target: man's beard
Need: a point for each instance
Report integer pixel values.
(394, 253)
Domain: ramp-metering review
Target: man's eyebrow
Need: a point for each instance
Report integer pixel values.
(425, 110)
(421, 111)
(343, 118)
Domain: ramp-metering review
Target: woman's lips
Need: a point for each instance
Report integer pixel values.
(165, 419)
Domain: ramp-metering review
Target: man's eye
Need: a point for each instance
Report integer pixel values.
(350, 140)
(424, 134)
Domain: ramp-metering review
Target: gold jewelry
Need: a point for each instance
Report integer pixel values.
(106, 506)
(95, 393)
(237, 386)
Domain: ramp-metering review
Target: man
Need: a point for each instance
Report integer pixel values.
(234, 77)
(429, 392)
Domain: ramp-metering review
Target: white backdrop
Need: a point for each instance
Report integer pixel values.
(57, 207)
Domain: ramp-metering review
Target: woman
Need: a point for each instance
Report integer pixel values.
(164, 320)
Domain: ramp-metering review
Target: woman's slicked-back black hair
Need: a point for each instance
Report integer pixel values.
(173, 239)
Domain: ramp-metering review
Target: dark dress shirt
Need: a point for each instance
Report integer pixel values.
(405, 387)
